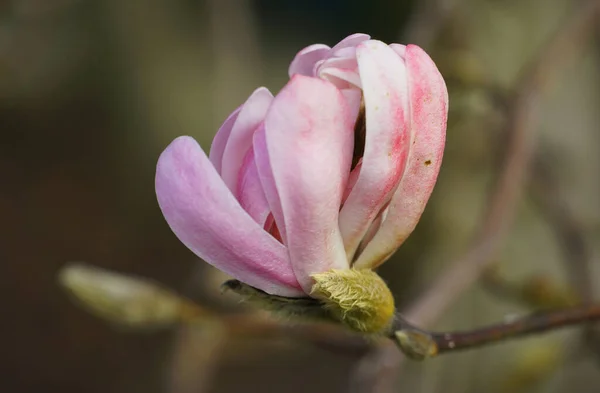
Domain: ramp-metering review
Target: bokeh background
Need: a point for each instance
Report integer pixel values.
(92, 91)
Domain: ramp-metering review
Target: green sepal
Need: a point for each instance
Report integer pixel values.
(287, 307)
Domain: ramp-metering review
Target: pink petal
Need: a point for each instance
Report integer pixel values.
(249, 191)
(305, 60)
(383, 75)
(206, 217)
(340, 62)
(350, 41)
(250, 117)
(345, 69)
(309, 135)
(342, 79)
(352, 179)
(373, 229)
(265, 172)
(429, 108)
(344, 53)
(341, 67)
(399, 49)
(353, 99)
(220, 140)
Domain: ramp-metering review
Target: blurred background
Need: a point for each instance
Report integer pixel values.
(92, 91)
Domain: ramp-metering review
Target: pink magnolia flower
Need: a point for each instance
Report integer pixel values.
(279, 199)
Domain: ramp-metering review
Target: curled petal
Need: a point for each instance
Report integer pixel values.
(305, 60)
(353, 99)
(399, 49)
(249, 191)
(240, 139)
(309, 136)
(349, 42)
(337, 69)
(207, 218)
(343, 68)
(429, 108)
(352, 179)
(265, 174)
(384, 80)
(220, 140)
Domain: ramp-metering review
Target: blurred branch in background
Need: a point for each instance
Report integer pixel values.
(520, 126)
(577, 254)
(537, 292)
(139, 304)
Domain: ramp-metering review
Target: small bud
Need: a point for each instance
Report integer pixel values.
(124, 300)
(416, 344)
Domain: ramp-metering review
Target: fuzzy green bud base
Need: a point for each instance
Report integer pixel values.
(359, 299)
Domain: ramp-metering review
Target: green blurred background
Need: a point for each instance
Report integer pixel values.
(92, 91)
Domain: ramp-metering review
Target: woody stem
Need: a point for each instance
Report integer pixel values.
(436, 343)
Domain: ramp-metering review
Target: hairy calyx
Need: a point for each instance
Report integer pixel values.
(358, 298)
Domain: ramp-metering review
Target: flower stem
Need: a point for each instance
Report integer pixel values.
(408, 336)
(141, 304)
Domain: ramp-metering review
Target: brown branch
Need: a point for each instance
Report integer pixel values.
(536, 323)
(520, 127)
(415, 342)
(142, 304)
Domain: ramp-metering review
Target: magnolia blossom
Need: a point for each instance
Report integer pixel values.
(331, 173)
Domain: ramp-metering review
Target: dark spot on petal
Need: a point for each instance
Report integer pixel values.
(428, 162)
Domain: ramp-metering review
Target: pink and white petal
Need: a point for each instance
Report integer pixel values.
(348, 63)
(352, 179)
(373, 229)
(345, 53)
(429, 107)
(207, 218)
(353, 99)
(341, 78)
(309, 135)
(250, 193)
(305, 60)
(217, 148)
(399, 49)
(343, 69)
(350, 41)
(387, 142)
(250, 117)
(265, 173)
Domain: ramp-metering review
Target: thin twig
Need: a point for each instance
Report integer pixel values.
(338, 339)
(536, 323)
(140, 304)
(565, 44)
